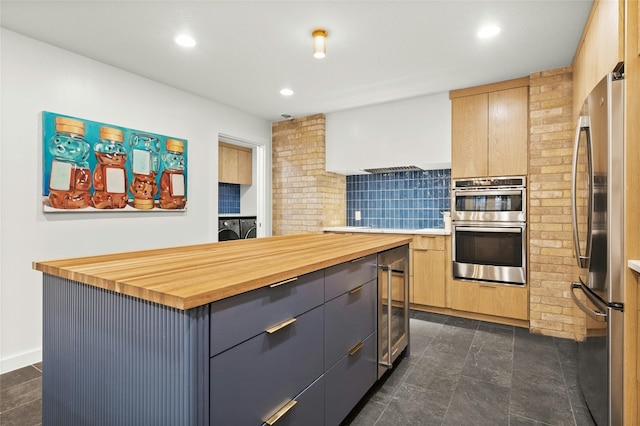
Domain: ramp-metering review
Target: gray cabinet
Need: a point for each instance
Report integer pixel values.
(253, 380)
(238, 318)
(308, 409)
(303, 351)
(348, 320)
(349, 275)
(348, 380)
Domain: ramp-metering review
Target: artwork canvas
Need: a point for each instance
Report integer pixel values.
(90, 166)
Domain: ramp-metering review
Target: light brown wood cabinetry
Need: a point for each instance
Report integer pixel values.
(490, 127)
(469, 136)
(429, 271)
(490, 299)
(234, 164)
(601, 48)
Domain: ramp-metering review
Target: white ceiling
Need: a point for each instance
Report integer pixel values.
(377, 51)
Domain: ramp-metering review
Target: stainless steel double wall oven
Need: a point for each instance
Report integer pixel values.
(489, 229)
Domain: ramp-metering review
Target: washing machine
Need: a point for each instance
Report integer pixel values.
(228, 229)
(248, 227)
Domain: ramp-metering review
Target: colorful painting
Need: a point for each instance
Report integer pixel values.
(92, 167)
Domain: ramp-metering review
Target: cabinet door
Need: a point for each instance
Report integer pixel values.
(469, 136)
(491, 299)
(227, 160)
(244, 166)
(251, 381)
(429, 277)
(508, 132)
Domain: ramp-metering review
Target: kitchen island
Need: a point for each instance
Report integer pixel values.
(221, 333)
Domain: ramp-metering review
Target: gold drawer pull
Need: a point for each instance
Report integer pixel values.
(280, 326)
(281, 412)
(487, 286)
(357, 289)
(356, 348)
(358, 259)
(290, 280)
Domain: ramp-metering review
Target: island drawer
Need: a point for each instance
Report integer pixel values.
(349, 275)
(251, 381)
(348, 381)
(349, 319)
(238, 318)
(309, 407)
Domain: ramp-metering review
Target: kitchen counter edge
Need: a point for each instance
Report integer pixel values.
(364, 229)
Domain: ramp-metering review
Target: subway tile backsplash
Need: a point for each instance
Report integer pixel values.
(405, 200)
(228, 198)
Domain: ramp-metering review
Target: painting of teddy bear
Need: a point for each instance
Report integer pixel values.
(90, 167)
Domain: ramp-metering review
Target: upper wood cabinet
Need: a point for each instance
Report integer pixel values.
(234, 164)
(601, 48)
(489, 130)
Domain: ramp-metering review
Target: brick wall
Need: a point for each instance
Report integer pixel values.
(306, 198)
(552, 264)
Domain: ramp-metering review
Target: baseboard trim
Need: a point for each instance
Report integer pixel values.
(19, 361)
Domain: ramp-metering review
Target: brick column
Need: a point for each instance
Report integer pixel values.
(306, 198)
(552, 263)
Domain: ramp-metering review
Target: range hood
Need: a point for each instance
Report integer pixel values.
(394, 169)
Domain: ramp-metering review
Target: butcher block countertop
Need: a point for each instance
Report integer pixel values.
(190, 276)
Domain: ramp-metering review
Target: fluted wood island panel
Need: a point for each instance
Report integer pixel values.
(127, 337)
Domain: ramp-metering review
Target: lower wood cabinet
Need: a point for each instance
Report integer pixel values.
(429, 266)
(491, 299)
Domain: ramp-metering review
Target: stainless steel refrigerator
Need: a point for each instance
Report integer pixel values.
(598, 224)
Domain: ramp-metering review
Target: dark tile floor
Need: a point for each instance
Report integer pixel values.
(467, 372)
(460, 372)
(21, 396)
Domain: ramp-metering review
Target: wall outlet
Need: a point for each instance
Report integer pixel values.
(358, 216)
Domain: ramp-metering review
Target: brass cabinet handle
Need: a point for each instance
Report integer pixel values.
(356, 348)
(280, 326)
(290, 280)
(357, 289)
(358, 259)
(281, 412)
(487, 286)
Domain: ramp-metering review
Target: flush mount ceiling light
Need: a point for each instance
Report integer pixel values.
(319, 43)
(286, 92)
(488, 31)
(185, 40)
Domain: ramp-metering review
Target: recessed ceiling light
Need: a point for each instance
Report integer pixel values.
(185, 40)
(286, 92)
(488, 31)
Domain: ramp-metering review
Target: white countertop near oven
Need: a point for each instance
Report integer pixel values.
(635, 265)
(423, 231)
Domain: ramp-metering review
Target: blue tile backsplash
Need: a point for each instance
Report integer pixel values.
(228, 198)
(405, 200)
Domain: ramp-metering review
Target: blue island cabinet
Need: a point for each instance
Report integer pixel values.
(297, 352)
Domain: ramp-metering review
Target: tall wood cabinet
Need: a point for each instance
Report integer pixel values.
(490, 128)
(234, 164)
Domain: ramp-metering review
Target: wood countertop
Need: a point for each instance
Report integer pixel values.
(189, 276)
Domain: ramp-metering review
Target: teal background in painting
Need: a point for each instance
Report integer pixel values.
(92, 136)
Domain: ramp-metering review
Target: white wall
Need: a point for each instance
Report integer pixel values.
(414, 132)
(37, 77)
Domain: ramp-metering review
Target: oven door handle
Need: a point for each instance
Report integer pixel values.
(497, 229)
(480, 192)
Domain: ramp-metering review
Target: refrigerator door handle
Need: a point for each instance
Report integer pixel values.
(599, 316)
(584, 125)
